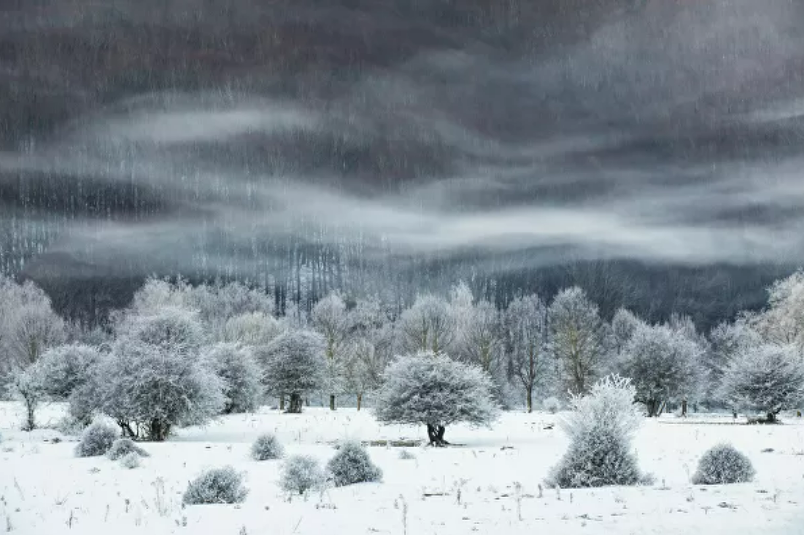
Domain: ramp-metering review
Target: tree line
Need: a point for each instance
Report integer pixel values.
(215, 349)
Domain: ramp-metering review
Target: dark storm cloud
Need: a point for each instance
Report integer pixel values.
(661, 130)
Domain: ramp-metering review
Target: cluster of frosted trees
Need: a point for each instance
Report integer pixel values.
(214, 349)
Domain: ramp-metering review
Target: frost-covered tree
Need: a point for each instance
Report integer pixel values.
(252, 329)
(483, 343)
(293, 365)
(27, 387)
(431, 389)
(63, 369)
(331, 320)
(429, 325)
(623, 325)
(526, 324)
(600, 428)
(461, 304)
(238, 369)
(369, 351)
(577, 339)
(150, 389)
(28, 325)
(173, 329)
(661, 364)
(727, 340)
(155, 377)
(782, 323)
(769, 379)
(214, 304)
(35, 329)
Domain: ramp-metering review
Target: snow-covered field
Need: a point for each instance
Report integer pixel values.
(471, 488)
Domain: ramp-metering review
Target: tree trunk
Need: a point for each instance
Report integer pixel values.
(661, 408)
(771, 418)
(295, 404)
(652, 407)
(359, 401)
(30, 417)
(529, 399)
(332, 402)
(158, 430)
(684, 408)
(281, 403)
(436, 435)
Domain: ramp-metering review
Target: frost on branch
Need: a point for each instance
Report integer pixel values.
(723, 465)
(351, 465)
(433, 390)
(769, 379)
(237, 368)
(600, 428)
(293, 365)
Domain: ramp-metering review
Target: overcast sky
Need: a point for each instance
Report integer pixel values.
(658, 130)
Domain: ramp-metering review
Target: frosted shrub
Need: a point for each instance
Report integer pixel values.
(405, 455)
(352, 465)
(220, 485)
(551, 405)
(600, 427)
(723, 464)
(131, 460)
(596, 460)
(266, 448)
(97, 439)
(124, 446)
(301, 473)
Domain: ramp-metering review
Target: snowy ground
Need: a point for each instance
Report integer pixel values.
(44, 489)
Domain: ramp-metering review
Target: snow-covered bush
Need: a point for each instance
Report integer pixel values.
(721, 465)
(769, 378)
(301, 473)
(155, 379)
(238, 370)
(433, 390)
(551, 405)
(595, 460)
(131, 460)
(97, 439)
(122, 447)
(63, 369)
(351, 465)
(220, 485)
(406, 455)
(600, 428)
(266, 447)
(293, 365)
